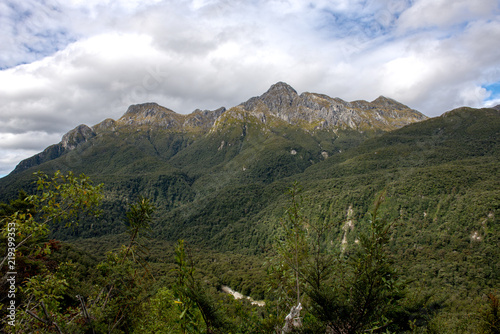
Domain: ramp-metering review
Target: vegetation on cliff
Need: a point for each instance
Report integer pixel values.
(223, 191)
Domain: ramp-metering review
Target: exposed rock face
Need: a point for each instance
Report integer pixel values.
(150, 114)
(280, 103)
(70, 141)
(322, 111)
(280, 98)
(154, 115)
(202, 118)
(51, 152)
(80, 134)
(108, 124)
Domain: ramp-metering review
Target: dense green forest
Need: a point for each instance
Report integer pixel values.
(392, 232)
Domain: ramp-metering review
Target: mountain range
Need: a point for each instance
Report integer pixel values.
(280, 105)
(219, 179)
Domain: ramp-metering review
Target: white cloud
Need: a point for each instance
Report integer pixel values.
(10, 158)
(444, 13)
(492, 103)
(30, 140)
(96, 58)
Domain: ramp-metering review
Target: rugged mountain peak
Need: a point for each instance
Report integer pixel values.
(150, 114)
(497, 107)
(281, 103)
(386, 102)
(69, 141)
(78, 135)
(203, 119)
(320, 111)
(107, 124)
(279, 97)
(149, 109)
(156, 116)
(280, 88)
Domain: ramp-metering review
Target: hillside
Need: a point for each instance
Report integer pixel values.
(181, 160)
(219, 178)
(279, 107)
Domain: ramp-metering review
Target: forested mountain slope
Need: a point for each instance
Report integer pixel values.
(193, 162)
(219, 180)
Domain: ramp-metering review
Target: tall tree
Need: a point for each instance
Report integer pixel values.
(361, 293)
(348, 291)
(41, 284)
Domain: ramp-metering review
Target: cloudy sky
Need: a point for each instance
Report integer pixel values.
(68, 62)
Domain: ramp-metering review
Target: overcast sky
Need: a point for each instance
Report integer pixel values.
(68, 62)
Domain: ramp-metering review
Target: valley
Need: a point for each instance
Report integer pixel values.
(220, 180)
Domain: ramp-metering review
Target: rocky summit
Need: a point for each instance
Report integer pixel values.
(238, 184)
(322, 112)
(280, 105)
(280, 102)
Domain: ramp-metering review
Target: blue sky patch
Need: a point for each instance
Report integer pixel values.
(339, 25)
(494, 88)
(38, 30)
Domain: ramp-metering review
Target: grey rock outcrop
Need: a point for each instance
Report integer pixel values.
(156, 116)
(321, 111)
(281, 102)
(80, 134)
(69, 141)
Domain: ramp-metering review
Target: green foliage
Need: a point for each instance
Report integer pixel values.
(48, 288)
(184, 291)
(292, 246)
(349, 292)
(490, 316)
(139, 219)
(60, 198)
(42, 283)
(121, 288)
(192, 299)
(369, 283)
(159, 314)
(123, 285)
(65, 197)
(440, 176)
